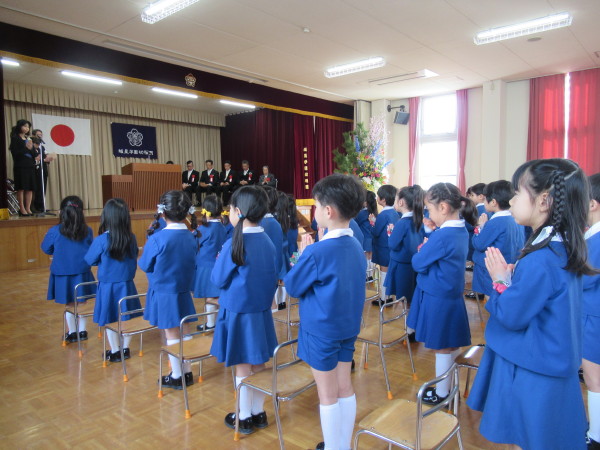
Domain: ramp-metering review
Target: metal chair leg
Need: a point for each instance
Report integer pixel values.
(236, 434)
(466, 394)
(278, 421)
(385, 374)
(188, 413)
(160, 372)
(122, 350)
(366, 365)
(141, 353)
(410, 357)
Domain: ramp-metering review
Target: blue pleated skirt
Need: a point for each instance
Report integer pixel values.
(107, 301)
(165, 310)
(482, 282)
(439, 322)
(368, 244)
(400, 280)
(381, 255)
(528, 409)
(203, 287)
(591, 338)
(61, 287)
(244, 338)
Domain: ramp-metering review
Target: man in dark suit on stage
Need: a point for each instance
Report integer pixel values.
(41, 167)
(228, 182)
(209, 179)
(247, 176)
(189, 181)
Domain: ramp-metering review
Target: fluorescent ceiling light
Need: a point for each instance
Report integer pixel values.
(424, 73)
(164, 8)
(359, 66)
(85, 76)
(170, 92)
(524, 28)
(10, 62)
(243, 105)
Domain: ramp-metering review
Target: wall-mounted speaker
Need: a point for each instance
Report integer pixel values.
(401, 117)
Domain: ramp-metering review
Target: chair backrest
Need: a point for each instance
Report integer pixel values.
(278, 367)
(453, 396)
(131, 311)
(77, 298)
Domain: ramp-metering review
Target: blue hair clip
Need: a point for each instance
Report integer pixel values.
(241, 216)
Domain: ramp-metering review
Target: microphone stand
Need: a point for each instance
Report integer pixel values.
(45, 212)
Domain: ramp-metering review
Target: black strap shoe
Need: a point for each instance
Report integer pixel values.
(246, 425)
(260, 420)
(173, 383)
(189, 378)
(431, 397)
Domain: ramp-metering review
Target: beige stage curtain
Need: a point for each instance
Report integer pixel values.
(180, 135)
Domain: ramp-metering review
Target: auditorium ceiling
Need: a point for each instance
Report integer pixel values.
(287, 44)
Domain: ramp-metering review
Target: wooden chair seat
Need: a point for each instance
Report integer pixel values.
(196, 348)
(391, 332)
(289, 380)
(470, 358)
(397, 421)
(135, 325)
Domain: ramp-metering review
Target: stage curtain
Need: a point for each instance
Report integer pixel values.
(413, 138)
(546, 117)
(584, 120)
(328, 137)
(462, 105)
(304, 137)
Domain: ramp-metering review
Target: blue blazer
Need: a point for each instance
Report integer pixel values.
(292, 238)
(69, 255)
(329, 280)
(536, 322)
(274, 231)
(358, 234)
(249, 288)
(591, 284)
(362, 219)
(404, 240)
(111, 270)
(381, 249)
(211, 240)
(169, 257)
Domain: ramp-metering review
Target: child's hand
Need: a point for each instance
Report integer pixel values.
(422, 244)
(496, 265)
(429, 223)
(306, 241)
(483, 218)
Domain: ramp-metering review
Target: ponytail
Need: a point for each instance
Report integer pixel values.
(468, 211)
(252, 202)
(237, 242)
(154, 225)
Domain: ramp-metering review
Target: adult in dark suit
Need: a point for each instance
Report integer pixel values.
(189, 181)
(209, 179)
(41, 172)
(267, 178)
(247, 176)
(228, 182)
(24, 157)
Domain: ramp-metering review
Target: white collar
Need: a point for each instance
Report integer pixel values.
(269, 215)
(339, 232)
(176, 226)
(407, 214)
(504, 213)
(253, 230)
(592, 230)
(190, 171)
(227, 172)
(480, 204)
(453, 224)
(544, 235)
(214, 220)
(246, 171)
(385, 208)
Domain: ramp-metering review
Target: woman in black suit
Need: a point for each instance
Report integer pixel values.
(24, 157)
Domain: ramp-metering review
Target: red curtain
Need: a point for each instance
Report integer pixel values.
(328, 137)
(413, 138)
(546, 117)
(584, 120)
(462, 116)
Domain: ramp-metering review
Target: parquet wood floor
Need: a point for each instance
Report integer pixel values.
(53, 399)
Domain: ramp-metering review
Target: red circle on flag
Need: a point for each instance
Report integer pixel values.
(62, 135)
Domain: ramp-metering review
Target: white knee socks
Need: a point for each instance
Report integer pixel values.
(347, 418)
(443, 361)
(246, 395)
(71, 323)
(258, 402)
(594, 415)
(331, 418)
(210, 320)
(382, 276)
(113, 340)
(280, 295)
(175, 365)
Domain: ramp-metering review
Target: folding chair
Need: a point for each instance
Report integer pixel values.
(283, 382)
(386, 333)
(191, 350)
(470, 358)
(289, 316)
(397, 424)
(78, 311)
(467, 290)
(372, 290)
(131, 327)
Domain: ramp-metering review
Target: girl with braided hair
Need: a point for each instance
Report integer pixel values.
(527, 384)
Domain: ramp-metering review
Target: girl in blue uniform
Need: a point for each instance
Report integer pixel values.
(363, 219)
(115, 252)
(275, 232)
(211, 236)
(527, 384)
(384, 225)
(329, 281)
(292, 234)
(501, 232)
(246, 274)
(68, 242)
(227, 224)
(406, 237)
(438, 313)
(591, 317)
(169, 262)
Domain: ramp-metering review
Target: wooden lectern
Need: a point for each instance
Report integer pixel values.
(117, 186)
(150, 181)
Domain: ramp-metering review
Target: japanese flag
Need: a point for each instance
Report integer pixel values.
(64, 135)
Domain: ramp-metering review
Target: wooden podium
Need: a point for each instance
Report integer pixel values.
(150, 181)
(117, 186)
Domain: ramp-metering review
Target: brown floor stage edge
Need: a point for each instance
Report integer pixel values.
(53, 399)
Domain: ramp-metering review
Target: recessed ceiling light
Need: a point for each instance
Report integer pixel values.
(358, 66)
(306, 30)
(171, 92)
(164, 8)
(10, 62)
(243, 105)
(524, 28)
(85, 76)
(534, 39)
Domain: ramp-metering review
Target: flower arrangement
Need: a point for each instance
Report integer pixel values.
(364, 154)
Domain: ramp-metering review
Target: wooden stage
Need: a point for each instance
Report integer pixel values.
(53, 399)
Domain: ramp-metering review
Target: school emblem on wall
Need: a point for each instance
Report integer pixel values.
(135, 137)
(190, 80)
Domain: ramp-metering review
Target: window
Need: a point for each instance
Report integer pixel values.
(438, 148)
